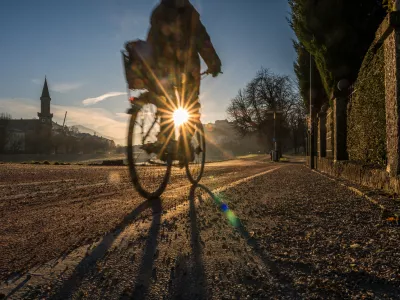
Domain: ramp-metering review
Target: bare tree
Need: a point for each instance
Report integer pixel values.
(250, 111)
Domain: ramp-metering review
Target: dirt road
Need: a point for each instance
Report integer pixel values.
(253, 230)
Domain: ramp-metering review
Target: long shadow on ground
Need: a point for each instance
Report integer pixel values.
(89, 262)
(192, 286)
(146, 266)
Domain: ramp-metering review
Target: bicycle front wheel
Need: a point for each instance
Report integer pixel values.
(149, 167)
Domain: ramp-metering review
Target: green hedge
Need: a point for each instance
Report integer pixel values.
(366, 119)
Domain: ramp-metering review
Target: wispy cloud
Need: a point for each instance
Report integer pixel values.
(91, 101)
(59, 87)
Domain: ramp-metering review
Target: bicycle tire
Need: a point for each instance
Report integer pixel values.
(133, 171)
(195, 179)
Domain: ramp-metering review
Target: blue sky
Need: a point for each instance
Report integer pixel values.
(77, 44)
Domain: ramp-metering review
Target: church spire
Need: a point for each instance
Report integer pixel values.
(45, 92)
(45, 115)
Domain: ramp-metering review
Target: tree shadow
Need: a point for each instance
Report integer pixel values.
(89, 262)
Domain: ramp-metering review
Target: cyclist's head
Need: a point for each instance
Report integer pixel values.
(176, 3)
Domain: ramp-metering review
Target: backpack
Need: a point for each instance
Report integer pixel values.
(138, 61)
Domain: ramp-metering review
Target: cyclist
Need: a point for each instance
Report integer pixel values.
(177, 37)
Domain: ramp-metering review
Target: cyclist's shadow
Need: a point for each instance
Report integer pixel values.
(88, 263)
(193, 287)
(184, 289)
(146, 266)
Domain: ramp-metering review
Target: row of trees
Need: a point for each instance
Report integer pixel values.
(251, 111)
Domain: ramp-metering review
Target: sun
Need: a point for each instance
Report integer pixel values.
(180, 116)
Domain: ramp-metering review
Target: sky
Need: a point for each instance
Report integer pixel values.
(76, 44)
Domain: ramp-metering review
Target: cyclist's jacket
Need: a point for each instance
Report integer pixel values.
(177, 37)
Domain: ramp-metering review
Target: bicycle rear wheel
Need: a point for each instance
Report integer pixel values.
(197, 145)
(149, 167)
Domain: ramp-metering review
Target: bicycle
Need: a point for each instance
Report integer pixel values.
(149, 160)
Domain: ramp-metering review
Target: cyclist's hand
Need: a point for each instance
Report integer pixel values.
(215, 74)
(215, 71)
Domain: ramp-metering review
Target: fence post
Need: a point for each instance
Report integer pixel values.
(340, 126)
(390, 33)
(322, 132)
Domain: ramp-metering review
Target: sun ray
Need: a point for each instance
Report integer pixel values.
(170, 136)
(185, 142)
(159, 84)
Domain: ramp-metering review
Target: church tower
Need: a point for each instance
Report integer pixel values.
(45, 116)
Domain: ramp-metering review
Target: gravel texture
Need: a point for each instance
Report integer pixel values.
(286, 233)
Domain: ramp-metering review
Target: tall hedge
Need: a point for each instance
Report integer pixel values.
(337, 33)
(366, 138)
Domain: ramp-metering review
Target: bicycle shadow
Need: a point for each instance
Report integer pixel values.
(193, 286)
(146, 267)
(89, 262)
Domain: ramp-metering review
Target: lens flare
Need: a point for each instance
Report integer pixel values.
(229, 214)
(180, 116)
(114, 178)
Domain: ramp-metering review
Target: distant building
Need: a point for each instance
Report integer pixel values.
(43, 136)
(29, 135)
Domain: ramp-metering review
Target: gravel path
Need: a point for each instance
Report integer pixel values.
(47, 211)
(288, 233)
